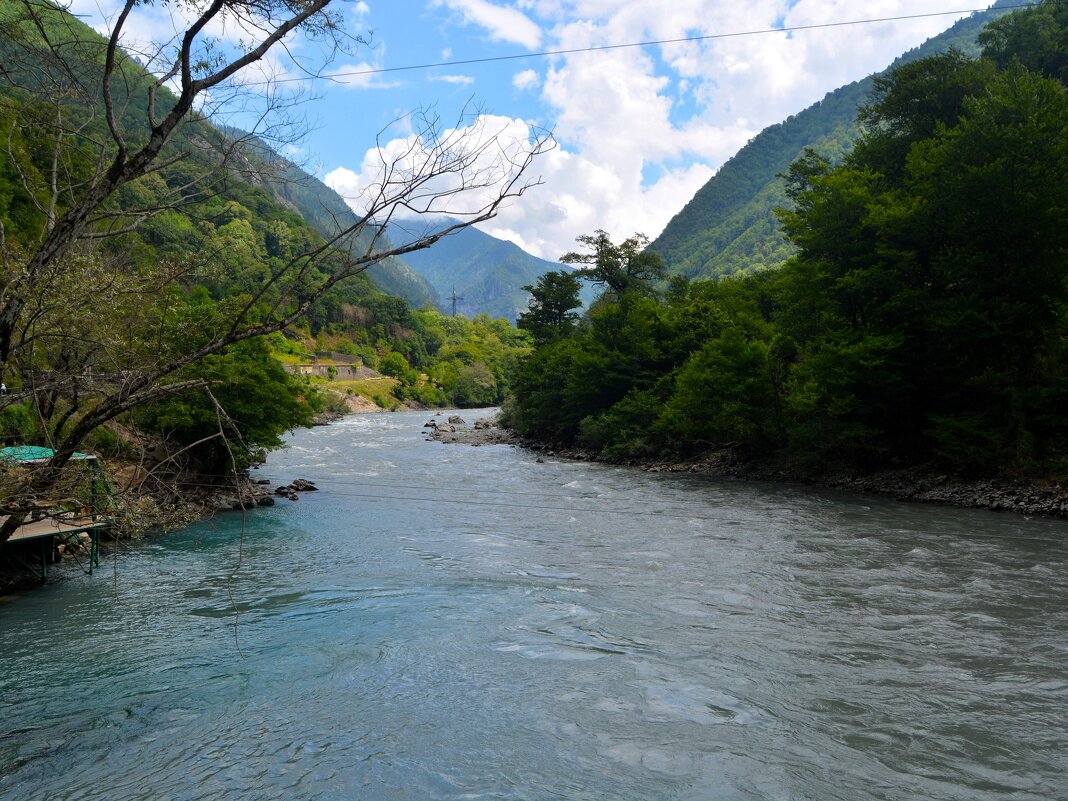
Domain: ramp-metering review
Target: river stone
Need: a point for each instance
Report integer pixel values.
(303, 485)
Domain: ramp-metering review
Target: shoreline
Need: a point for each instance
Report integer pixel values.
(916, 484)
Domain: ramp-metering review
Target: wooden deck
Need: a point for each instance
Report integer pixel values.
(49, 527)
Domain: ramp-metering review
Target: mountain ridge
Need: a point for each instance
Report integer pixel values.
(486, 273)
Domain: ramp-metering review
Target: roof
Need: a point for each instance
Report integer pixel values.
(32, 454)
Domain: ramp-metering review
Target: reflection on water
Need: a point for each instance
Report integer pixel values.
(444, 622)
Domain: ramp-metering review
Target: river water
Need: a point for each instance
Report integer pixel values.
(449, 622)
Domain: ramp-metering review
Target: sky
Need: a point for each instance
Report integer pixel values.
(638, 130)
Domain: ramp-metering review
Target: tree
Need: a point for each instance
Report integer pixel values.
(551, 310)
(618, 268)
(1036, 37)
(85, 336)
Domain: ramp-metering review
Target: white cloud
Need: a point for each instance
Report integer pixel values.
(642, 129)
(504, 24)
(462, 80)
(412, 176)
(527, 79)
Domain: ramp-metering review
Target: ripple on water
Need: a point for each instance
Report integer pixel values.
(759, 643)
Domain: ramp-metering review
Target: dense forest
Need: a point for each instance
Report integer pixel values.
(922, 319)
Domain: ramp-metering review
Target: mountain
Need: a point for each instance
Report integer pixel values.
(729, 226)
(486, 273)
(327, 212)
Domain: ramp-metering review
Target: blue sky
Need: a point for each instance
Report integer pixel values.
(638, 130)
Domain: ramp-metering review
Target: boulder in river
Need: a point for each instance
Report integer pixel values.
(457, 420)
(303, 485)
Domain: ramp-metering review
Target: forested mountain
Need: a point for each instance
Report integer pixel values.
(923, 319)
(729, 226)
(487, 274)
(326, 211)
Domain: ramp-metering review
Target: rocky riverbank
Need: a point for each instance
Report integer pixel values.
(920, 483)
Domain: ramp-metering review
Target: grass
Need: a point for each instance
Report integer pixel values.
(378, 390)
(291, 358)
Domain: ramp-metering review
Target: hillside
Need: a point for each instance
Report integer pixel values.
(326, 211)
(486, 273)
(728, 227)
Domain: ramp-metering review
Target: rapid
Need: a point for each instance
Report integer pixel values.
(451, 622)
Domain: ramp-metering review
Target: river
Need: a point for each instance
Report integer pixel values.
(450, 622)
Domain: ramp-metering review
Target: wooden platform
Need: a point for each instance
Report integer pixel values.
(50, 527)
(43, 531)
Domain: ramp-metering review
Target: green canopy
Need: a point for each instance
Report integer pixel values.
(35, 454)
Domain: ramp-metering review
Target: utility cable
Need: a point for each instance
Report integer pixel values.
(333, 76)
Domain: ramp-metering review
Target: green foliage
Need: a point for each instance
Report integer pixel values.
(394, 364)
(723, 393)
(18, 423)
(923, 317)
(553, 300)
(1037, 38)
(261, 402)
(628, 266)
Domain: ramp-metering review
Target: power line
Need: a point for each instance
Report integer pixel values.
(648, 43)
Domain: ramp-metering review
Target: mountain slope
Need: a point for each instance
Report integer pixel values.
(326, 211)
(486, 273)
(728, 227)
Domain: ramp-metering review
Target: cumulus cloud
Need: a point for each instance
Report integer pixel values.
(527, 79)
(502, 23)
(642, 129)
(456, 172)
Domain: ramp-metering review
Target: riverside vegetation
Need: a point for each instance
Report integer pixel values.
(922, 321)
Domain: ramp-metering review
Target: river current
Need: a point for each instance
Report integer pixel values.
(449, 622)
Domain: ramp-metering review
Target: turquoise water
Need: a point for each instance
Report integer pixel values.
(448, 622)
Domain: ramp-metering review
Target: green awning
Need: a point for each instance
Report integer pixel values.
(34, 454)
